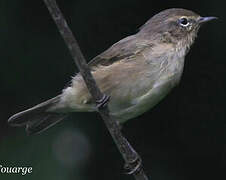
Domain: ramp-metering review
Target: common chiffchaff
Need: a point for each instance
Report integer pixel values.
(136, 72)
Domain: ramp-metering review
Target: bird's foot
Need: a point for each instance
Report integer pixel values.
(103, 101)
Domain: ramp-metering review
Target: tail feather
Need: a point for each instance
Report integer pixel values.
(37, 118)
(48, 121)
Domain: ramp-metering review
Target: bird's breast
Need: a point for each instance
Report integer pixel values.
(165, 78)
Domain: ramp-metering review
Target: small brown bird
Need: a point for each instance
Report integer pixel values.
(136, 72)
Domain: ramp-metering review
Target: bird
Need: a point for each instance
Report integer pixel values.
(136, 72)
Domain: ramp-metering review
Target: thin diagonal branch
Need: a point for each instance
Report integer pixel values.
(132, 160)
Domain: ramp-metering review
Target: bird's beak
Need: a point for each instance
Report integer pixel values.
(202, 20)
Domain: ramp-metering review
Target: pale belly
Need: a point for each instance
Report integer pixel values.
(145, 102)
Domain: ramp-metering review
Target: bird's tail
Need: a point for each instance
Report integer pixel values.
(38, 118)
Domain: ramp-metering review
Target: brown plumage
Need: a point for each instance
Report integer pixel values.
(137, 72)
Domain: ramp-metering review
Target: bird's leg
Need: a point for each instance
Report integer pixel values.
(103, 101)
(134, 162)
(119, 125)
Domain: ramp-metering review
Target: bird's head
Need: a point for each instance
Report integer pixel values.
(176, 26)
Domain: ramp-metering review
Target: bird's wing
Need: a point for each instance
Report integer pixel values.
(110, 73)
(125, 49)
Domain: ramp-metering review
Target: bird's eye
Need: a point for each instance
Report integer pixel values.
(183, 22)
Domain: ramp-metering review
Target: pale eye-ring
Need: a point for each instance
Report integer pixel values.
(183, 22)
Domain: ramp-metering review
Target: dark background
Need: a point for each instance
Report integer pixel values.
(182, 138)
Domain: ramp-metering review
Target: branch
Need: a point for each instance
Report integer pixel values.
(133, 162)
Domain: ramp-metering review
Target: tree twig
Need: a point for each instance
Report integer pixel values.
(132, 160)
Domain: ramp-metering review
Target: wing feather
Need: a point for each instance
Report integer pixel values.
(123, 50)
